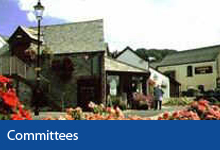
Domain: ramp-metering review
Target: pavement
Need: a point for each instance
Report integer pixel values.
(141, 113)
(152, 113)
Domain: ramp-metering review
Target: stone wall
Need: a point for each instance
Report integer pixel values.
(65, 92)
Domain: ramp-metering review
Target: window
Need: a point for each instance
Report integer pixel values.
(113, 85)
(189, 71)
(203, 70)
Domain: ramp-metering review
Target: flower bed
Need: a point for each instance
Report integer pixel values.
(142, 102)
(10, 107)
(201, 110)
(198, 110)
(99, 112)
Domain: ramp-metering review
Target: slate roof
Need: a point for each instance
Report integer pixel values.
(4, 47)
(206, 54)
(118, 66)
(5, 38)
(30, 32)
(130, 49)
(154, 64)
(2, 40)
(77, 37)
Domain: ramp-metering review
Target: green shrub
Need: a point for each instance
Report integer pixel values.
(122, 105)
(143, 105)
(115, 100)
(118, 102)
(182, 101)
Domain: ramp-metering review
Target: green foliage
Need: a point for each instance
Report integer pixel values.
(122, 105)
(4, 117)
(158, 54)
(182, 101)
(116, 101)
(76, 113)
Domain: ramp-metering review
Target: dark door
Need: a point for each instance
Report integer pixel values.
(88, 90)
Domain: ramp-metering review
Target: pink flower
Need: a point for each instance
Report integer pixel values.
(91, 105)
(203, 102)
(201, 108)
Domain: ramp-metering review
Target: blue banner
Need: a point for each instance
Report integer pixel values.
(103, 135)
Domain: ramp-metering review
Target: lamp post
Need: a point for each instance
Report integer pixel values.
(39, 9)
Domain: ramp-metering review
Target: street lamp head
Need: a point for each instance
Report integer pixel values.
(39, 9)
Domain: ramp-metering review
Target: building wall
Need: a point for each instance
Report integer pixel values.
(131, 58)
(208, 80)
(66, 91)
(161, 79)
(88, 65)
(218, 65)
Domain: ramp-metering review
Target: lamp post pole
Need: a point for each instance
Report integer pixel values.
(39, 13)
(38, 69)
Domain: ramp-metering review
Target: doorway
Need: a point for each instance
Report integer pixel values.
(88, 90)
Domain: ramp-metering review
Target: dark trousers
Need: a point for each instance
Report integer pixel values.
(156, 103)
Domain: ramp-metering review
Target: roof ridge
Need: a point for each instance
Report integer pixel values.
(67, 23)
(4, 37)
(203, 54)
(132, 50)
(196, 49)
(27, 29)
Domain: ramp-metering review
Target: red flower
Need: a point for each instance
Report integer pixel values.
(27, 115)
(10, 98)
(165, 115)
(175, 115)
(160, 118)
(4, 79)
(16, 117)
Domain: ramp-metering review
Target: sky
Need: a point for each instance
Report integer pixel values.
(160, 24)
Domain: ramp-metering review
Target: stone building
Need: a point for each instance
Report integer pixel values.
(72, 61)
(74, 64)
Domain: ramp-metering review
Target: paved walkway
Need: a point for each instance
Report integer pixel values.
(141, 113)
(152, 113)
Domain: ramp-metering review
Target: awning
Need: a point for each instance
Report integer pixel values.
(112, 65)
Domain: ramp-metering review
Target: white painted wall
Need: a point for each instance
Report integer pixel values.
(208, 80)
(160, 79)
(129, 57)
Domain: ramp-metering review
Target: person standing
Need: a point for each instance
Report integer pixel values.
(158, 94)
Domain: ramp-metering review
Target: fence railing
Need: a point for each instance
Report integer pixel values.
(12, 66)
